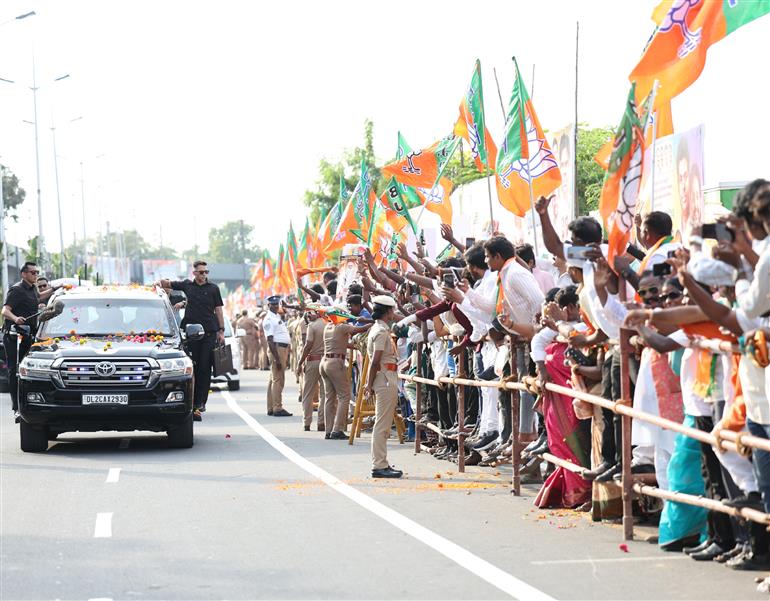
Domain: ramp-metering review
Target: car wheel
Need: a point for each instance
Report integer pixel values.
(33, 439)
(234, 385)
(181, 437)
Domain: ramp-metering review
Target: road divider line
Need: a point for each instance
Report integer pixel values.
(124, 442)
(103, 527)
(113, 475)
(498, 578)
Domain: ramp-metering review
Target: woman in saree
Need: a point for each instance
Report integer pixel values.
(567, 439)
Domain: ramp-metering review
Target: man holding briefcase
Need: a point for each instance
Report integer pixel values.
(203, 306)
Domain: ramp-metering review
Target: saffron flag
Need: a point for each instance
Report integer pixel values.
(354, 222)
(382, 230)
(304, 242)
(471, 126)
(676, 53)
(620, 191)
(524, 158)
(408, 193)
(437, 199)
(423, 168)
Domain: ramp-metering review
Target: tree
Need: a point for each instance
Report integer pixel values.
(327, 190)
(590, 175)
(13, 194)
(232, 243)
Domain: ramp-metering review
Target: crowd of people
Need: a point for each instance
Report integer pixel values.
(494, 305)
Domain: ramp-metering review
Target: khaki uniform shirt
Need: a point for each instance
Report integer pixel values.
(336, 338)
(315, 336)
(248, 325)
(379, 340)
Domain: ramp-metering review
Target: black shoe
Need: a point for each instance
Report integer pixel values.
(337, 436)
(307, 428)
(531, 473)
(327, 435)
(609, 474)
(270, 412)
(709, 553)
(197, 417)
(486, 441)
(597, 471)
(474, 458)
(282, 413)
(752, 501)
(639, 468)
(748, 561)
(698, 548)
(539, 441)
(728, 555)
(387, 472)
(543, 448)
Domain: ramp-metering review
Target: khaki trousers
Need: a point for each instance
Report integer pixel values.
(250, 351)
(337, 389)
(275, 387)
(311, 378)
(386, 396)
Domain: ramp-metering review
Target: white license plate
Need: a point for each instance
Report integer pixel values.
(105, 399)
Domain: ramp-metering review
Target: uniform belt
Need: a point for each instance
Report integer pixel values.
(314, 357)
(282, 344)
(334, 356)
(390, 366)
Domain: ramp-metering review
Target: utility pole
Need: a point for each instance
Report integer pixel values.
(3, 241)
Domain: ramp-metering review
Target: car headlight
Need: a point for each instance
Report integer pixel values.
(181, 366)
(36, 369)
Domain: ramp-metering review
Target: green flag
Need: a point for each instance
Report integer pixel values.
(397, 202)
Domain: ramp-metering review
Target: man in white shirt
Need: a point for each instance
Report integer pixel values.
(278, 341)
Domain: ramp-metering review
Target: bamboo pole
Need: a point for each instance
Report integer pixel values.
(515, 413)
(418, 403)
(461, 359)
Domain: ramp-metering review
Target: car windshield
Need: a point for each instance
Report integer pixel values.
(102, 317)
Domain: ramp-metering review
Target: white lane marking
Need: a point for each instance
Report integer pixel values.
(124, 442)
(483, 569)
(103, 527)
(612, 560)
(113, 475)
(101, 599)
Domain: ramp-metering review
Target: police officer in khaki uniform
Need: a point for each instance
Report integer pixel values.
(248, 341)
(382, 382)
(310, 365)
(335, 376)
(278, 342)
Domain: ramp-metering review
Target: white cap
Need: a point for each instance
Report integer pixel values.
(384, 300)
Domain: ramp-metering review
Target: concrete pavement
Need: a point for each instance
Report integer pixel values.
(120, 516)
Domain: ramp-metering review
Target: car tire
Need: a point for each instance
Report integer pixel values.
(233, 385)
(181, 437)
(32, 439)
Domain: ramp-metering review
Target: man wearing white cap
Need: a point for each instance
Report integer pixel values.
(278, 341)
(382, 382)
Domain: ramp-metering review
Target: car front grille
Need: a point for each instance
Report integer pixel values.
(83, 372)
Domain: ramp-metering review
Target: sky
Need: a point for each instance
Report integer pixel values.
(188, 114)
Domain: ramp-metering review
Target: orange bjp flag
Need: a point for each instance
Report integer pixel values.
(437, 199)
(423, 168)
(676, 54)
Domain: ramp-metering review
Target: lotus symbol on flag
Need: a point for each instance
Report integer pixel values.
(541, 159)
(677, 17)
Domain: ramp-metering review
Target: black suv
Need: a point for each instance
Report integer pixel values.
(111, 358)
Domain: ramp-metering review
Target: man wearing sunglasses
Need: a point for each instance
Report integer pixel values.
(204, 306)
(21, 302)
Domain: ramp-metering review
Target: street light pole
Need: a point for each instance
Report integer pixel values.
(4, 276)
(58, 203)
(40, 240)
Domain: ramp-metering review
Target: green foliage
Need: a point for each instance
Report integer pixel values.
(590, 176)
(327, 189)
(13, 194)
(232, 243)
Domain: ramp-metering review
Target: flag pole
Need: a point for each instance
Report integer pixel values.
(652, 168)
(576, 200)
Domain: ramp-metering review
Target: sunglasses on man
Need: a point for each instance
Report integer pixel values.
(202, 271)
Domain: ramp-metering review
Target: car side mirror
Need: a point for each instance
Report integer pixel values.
(194, 331)
(240, 332)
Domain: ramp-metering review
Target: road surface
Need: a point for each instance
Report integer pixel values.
(260, 509)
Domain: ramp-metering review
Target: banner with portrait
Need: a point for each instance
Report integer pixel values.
(678, 177)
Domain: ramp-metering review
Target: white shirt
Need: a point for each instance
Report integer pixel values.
(478, 305)
(753, 378)
(754, 297)
(522, 297)
(694, 404)
(661, 254)
(274, 326)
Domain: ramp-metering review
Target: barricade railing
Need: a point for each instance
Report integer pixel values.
(739, 442)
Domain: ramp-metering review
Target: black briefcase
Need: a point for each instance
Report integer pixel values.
(223, 360)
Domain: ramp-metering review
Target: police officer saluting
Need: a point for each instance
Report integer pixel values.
(278, 341)
(204, 307)
(21, 302)
(382, 382)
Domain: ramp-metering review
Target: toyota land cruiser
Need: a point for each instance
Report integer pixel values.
(110, 358)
